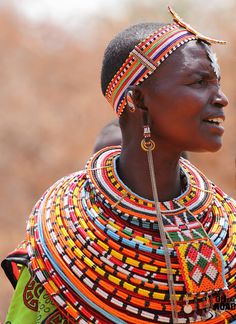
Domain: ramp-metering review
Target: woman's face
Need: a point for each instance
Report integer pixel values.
(184, 101)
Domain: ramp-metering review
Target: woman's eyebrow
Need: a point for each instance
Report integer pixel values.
(204, 74)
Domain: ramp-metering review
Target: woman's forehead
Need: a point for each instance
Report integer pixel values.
(196, 56)
(191, 58)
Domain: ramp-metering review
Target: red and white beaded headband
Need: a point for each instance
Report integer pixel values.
(145, 58)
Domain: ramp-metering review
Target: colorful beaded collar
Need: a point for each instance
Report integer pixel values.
(99, 266)
(147, 56)
(198, 195)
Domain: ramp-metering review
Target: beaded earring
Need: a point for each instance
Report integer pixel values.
(130, 102)
(147, 144)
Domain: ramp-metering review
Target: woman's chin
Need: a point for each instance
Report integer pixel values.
(213, 147)
(210, 146)
(216, 145)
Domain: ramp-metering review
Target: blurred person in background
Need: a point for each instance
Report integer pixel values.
(110, 135)
(140, 235)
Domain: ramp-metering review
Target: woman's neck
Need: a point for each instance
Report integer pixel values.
(133, 170)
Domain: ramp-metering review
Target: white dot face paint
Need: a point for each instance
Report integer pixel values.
(213, 59)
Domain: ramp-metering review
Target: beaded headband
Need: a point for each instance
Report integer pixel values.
(145, 58)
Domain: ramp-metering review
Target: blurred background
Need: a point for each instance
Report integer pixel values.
(51, 106)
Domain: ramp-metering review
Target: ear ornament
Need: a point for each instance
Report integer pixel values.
(130, 102)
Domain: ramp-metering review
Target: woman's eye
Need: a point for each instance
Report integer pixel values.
(204, 82)
(199, 82)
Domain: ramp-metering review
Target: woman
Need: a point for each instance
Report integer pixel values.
(140, 235)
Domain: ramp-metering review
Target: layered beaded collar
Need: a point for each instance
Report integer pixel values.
(101, 170)
(101, 261)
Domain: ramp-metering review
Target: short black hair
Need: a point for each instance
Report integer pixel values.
(120, 46)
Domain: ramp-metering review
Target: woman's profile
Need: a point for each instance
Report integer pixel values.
(140, 235)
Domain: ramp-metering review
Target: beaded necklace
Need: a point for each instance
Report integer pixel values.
(95, 247)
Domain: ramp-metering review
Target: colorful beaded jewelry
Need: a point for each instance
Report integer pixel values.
(147, 144)
(143, 61)
(147, 56)
(130, 101)
(95, 247)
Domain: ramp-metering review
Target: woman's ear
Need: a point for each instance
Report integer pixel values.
(130, 100)
(135, 98)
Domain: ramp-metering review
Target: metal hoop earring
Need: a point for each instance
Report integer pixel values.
(147, 144)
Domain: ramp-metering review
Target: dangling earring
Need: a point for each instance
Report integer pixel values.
(130, 102)
(147, 144)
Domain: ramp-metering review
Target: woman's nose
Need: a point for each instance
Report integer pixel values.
(220, 99)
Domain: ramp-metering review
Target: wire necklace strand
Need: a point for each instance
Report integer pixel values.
(163, 239)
